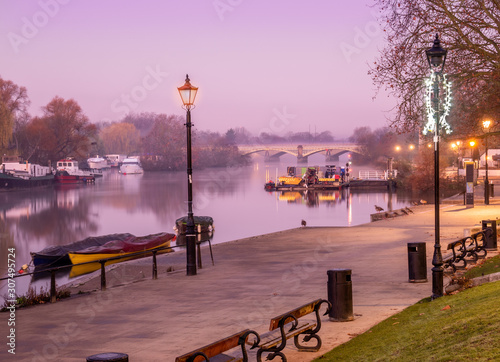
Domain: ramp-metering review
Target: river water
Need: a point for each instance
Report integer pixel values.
(150, 203)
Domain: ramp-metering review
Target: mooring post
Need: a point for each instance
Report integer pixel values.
(155, 270)
(103, 275)
(53, 286)
(200, 266)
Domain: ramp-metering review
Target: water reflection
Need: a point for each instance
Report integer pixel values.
(150, 203)
(312, 198)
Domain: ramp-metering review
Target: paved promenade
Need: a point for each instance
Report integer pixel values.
(253, 280)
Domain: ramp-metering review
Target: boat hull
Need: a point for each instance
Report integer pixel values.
(9, 182)
(87, 263)
(131, 170)
(57, 255)
(73, 179)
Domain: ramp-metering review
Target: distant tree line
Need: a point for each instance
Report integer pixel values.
(64, 131)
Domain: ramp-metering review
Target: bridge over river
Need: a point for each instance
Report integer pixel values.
(272, 152)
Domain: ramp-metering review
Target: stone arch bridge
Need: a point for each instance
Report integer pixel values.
(331, 151)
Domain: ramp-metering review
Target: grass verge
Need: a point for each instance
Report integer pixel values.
(460, 327)
(488, 266)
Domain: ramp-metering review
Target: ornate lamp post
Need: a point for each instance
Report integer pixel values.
(486, 127)
(436, 57)
(188, 94)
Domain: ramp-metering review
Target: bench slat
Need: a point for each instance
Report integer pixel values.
(277, 340)
(297, 313)
(215, 348)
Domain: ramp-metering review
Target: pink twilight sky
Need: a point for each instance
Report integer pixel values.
(267, 65)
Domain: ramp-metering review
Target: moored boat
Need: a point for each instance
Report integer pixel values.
(69, 172)
(131, 165)
(312, 179)
(97, 163)
(16, 174)
(57, 255)
(115, 160)
(202, 224)
(118, 248)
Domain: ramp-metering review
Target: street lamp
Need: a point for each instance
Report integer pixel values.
(188, 94)
(456, 147)
(436, 57)
(486, 128)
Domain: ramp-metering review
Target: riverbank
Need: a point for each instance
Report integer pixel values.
(253, 280)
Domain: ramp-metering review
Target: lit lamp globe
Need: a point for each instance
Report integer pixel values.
(188, 94)
(486, 124)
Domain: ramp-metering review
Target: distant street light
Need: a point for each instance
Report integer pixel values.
(456, 147)
(486, 128)
(188, 95)
(436, 57)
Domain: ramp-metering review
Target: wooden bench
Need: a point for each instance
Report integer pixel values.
(218, 348)
(289, 327)
(472, 247)
(475, 245)
(456, 255)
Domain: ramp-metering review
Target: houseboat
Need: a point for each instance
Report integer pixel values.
(17, 174)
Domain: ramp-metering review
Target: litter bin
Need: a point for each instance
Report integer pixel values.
(108, 357)
(340, 295)
(417, 263)
(490, 241)
(492, 189)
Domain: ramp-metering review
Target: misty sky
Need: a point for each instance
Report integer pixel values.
(273, 66)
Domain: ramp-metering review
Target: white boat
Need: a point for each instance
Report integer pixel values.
(97, 163)
(131, 165)
(115, 160)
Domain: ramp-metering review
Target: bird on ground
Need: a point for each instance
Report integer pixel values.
(423, 202)
(414, 203)
(409, 210)
(378, 208)
(404, 211)
(303, 223)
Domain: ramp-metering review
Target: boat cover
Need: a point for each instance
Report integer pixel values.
(205, 224)
(61, 250)
(128, 245)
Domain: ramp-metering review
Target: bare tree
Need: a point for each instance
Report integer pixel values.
(469, 29)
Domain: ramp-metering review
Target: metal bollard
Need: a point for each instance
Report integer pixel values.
(340, 295)
(108, 357)
(417, 263)
(490, 241)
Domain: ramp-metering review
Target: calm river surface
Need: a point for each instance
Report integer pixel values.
(145, 204)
